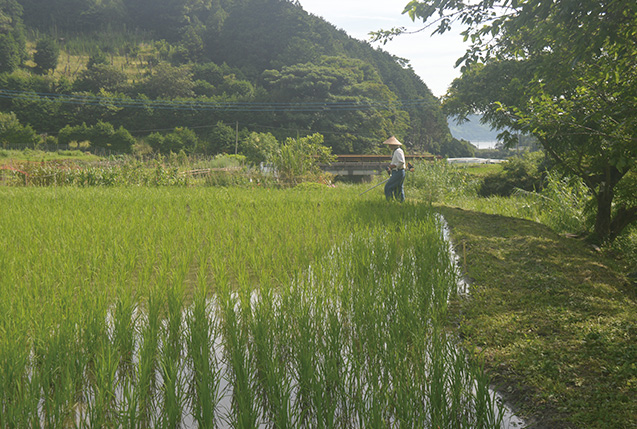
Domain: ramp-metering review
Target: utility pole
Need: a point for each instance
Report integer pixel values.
(236, 140)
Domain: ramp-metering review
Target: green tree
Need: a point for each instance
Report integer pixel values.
(12, 132)
(12, 38)
(170, 82)
(70, 133)
(100, 77)
(259, 147)
(165, 18)
(74, 15)
(155, 141)
(348, 100)
(101, 135)
(563, 72)
(46, 55)
(209, 72)
(122, 140)
(454, 148)
(192, 42)
(233, 86)
(219, 139)
(298, 159)
(98, 58)
(177, 140)
(10, 57)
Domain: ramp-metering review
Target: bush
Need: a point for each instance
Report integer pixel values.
(625, 249)
(180, 139)
(259, 147)
(227, 161)
(126, 172)
(101, 134)
(297, 160)
(310, 187)
(227, 178)
(50, 141)
(525, 173)
(12, 132)
(142, 148)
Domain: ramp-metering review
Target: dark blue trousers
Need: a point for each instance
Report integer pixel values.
(394, 186)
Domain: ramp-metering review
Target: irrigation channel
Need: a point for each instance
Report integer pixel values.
(182, 316)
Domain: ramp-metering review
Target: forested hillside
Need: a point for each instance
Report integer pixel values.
(183, 74)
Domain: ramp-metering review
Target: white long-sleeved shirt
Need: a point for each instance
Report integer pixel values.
(398, 159)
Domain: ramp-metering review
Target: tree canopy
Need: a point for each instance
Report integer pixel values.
(207, 62)
(336, 82)
(12, 38)
(565, 72)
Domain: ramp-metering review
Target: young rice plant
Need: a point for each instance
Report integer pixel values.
(156, 307)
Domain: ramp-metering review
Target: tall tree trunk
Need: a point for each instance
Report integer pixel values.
(623, 218)
(601, 233)
(608, 228)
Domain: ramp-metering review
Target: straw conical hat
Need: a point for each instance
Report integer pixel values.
(392, 141)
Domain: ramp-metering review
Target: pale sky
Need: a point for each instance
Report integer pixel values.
(431, 57)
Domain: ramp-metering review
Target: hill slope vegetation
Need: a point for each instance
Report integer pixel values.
(208, 66)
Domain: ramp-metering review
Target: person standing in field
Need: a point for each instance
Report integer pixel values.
(394, 186)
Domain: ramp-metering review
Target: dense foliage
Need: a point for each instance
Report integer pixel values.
(265, 64)
(518, 173)
(46, 55)
(565, 72)
(12, 38)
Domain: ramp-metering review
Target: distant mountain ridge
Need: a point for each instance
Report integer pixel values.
(472, 131)
(251, 52)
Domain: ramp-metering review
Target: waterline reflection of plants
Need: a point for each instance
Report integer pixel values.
(228, 308)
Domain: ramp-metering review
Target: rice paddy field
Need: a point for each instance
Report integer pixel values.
(221, 307)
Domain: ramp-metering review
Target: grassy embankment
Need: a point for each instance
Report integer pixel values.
(554, 320)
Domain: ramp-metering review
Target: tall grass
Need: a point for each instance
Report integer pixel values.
(562, 204)
(228, 308)
(439, 181)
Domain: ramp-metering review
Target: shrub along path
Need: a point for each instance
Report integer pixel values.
(554, 322)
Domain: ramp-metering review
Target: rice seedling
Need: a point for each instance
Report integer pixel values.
(202, 331)
(228, 308)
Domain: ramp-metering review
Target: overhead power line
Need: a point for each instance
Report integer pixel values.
(198, 105)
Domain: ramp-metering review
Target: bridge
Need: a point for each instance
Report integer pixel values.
(362, 167)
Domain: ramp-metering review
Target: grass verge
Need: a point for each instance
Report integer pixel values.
(8, 156)
(553, 321)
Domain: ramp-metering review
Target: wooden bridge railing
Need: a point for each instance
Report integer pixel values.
(365, 165)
